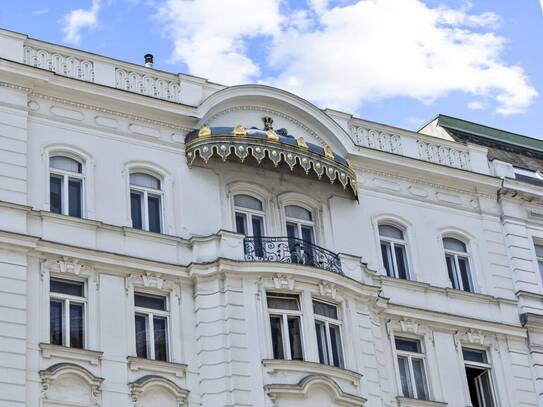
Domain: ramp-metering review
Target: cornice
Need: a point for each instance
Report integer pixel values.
(67, 102)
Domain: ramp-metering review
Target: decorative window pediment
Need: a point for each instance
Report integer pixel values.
(152, 382)
(276, 146)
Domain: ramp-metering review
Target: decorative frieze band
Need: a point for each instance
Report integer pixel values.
(64, 65)
(148, 85)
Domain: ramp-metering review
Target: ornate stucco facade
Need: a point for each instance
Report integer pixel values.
(167, 241)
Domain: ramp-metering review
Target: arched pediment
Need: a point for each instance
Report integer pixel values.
(148, 383)
(313, 384)
(248, 104)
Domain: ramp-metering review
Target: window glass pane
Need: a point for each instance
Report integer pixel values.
(150, 301)
(307, 233)
(258, 225)
(66, 287)
(153, 206)
(55, 322)
(401, 261)
(539, 250)
(65, 164)
(135, 210)
(474, 355)
(283, 301)
(451, 269)
(161, 335)
(247, 201)
(335, 341)
(76, 325)
(420, 378)
(74, 198)
(390, 231)
(326, 310)
(141, 336)
(465, 274)
(297, 212)
(55, 194)
(540, 264)
(144, 180)
(405, 377)
(386, 252)
(277, 336)
(454, 244)
(485, 389)
(241, 223)
(295, 338)
(407, 345)
(322, 343)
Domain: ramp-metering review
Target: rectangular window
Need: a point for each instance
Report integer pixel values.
(478, 374)
(327, 326)
(153, 208)
(285, 326)
(74, 197)
(394, 259)
(151, 326)
(67, 313)
(539, 254)
(411, 368)
(55, 194)
(135, 210)
(459, 272)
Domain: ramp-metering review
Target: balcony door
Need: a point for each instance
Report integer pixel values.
(249, 217)
(300, 233)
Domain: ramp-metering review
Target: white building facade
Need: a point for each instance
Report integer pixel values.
(167, 241)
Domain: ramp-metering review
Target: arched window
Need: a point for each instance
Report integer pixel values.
(457, 258)
(393, 251)
(146, 202)
(65, 186)
(249, 213)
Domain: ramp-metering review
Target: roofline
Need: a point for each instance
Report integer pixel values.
(486, 136)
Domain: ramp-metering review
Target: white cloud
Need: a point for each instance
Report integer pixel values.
(211, 36)
(343, 55)
(476, 105)
(78, 19)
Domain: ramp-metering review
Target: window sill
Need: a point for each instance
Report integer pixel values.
(49, 351)
(408, 402)
(159, 366)
(278, 365)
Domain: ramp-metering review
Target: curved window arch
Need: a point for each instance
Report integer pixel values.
(146, 198)
(66, 186)
(458, 264)
(249, 215)
(393, 251)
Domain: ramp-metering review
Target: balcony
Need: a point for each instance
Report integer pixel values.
(290, 250)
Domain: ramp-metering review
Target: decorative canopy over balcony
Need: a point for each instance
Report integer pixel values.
(268, 144)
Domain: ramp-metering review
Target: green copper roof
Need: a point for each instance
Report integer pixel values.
(491, 133)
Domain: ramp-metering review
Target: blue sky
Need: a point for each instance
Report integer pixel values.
(398, 62)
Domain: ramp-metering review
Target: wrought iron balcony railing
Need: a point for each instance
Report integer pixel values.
(290, 250)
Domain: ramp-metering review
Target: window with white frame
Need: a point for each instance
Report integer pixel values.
(65, 186)
(300, 227)
(479, 378)
(412, 370)
(393, 251)
(285, 326)
(539, 254)
(328, 329)
(458, 264)
(249, 214)
(146, 202)
(67, 313)
(151, 326)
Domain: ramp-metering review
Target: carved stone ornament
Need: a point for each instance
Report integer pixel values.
(54, 372)
(66, 265)
(283, 282)
(327, 289)
(138, 387)
(475, 337)
(407, 325)
(153, 280)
